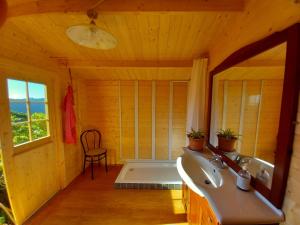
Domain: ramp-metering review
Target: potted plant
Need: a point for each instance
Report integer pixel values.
(226, 140)
(196, 140)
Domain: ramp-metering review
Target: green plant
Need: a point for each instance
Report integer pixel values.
(228, 134)
(21, 131)
(196, 134)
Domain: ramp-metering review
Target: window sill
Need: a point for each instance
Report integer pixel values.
(31, 145)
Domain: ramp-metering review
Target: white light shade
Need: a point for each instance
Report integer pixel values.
(91, 36)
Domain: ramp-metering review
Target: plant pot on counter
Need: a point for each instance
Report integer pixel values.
(196, 144)
(226, 144)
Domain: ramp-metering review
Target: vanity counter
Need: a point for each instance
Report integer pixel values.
(230, 205)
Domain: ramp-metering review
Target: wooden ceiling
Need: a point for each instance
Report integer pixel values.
(156, 39)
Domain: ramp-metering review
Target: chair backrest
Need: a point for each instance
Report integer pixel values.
(90, 139)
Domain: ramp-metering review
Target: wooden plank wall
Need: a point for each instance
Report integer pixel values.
(252, 109)
(179, 118)
(145, 119)
(35, 175)
(162, 100)
(233, 106)
(104, 116)
(220, 105)
(127, 95)
(135, 117)
(269, 119)
(291, 206)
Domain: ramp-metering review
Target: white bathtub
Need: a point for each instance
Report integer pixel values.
(149, 175)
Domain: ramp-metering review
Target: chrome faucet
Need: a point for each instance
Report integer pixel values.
(217, 161)
(243, 161)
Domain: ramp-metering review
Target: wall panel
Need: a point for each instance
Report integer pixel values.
(145, 119)
(122, 111)
(34, 175)
(162, 120)
(179, 118)
(251, 111)
(269, 119)
(291, 206)
(251, 108)
(127, 93)
(220, 105)
(100, 109)
(233, 105)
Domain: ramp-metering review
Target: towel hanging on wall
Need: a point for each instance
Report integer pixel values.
(69, 117)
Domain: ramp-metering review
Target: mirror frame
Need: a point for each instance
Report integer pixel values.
(289, 107)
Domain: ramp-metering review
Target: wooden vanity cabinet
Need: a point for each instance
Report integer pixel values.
(197, 208)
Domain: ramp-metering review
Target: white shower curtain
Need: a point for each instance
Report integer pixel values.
(197, 95)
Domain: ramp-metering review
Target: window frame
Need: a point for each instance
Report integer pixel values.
(32, 143)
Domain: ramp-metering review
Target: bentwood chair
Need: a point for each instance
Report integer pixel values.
(90, 141)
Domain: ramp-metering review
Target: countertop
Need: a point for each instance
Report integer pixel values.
(230, 204)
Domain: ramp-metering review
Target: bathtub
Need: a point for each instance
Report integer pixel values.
(145, 174)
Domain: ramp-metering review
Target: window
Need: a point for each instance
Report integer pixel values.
(28, 111)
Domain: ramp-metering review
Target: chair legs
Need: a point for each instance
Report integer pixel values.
(84, 165)
(92, 164)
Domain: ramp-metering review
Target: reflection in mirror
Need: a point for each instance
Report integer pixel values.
(247, 100)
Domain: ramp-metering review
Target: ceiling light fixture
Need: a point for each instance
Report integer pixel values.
(90, 35)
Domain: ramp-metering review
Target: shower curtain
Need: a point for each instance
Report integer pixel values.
(197, 96)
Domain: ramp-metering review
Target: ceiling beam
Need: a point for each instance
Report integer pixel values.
(119, 6)
(102, 64)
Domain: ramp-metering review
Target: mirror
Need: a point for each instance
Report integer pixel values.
(246, 98)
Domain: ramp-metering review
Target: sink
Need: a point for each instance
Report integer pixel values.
(199, 170)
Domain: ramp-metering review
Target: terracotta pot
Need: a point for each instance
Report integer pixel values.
(196, 144)
(226, 145)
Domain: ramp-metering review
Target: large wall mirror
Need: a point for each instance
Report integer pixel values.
(254, 93)
(247, 100)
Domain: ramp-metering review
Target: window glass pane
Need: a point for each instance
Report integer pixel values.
(38, 111)
(39, 129)
(18, 111)
(16, 89)
(37, 92)
(20, 133)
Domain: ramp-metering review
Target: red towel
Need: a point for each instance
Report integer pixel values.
(69, 117)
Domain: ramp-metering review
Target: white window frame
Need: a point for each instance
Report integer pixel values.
(32, 142)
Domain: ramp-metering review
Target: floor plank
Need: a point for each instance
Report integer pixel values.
(93, 202)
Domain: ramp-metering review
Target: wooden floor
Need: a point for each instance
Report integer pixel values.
(87, 202)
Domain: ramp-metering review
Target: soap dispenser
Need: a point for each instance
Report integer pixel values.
(243, 180)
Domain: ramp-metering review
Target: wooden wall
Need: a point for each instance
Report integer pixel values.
(252, 25)
(127, 98)
(95, 115)
(179, 118)
(244, 30)
(251, 109)
(291, 206)
(138, 119)
(145, 119)
(269, 119)
(162, 100)
(35, 175)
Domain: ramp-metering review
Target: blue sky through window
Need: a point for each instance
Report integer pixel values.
(17, 89)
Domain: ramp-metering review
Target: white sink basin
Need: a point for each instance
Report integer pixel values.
(195, 169)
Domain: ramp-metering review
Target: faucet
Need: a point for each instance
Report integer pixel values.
(264, 176)
(242, 161)
(217, 161)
